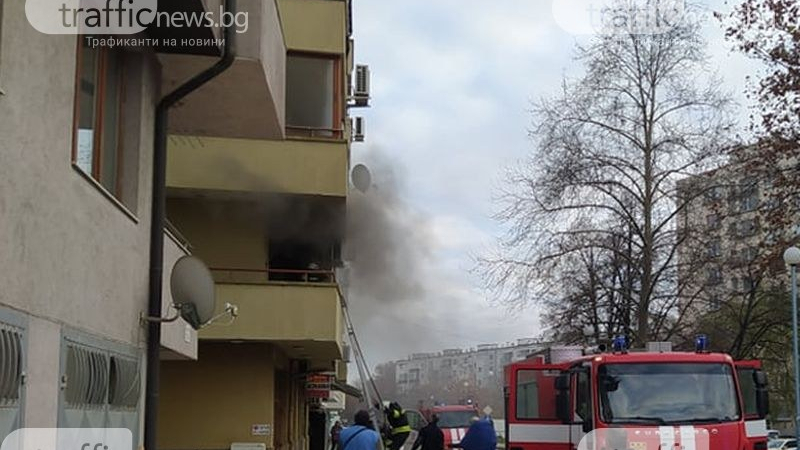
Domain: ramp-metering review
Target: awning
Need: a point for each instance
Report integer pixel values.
(347, 389)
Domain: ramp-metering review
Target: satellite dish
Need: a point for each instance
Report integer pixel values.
(192, 289)
(361, 177)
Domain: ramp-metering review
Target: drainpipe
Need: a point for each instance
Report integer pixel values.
(157, 222)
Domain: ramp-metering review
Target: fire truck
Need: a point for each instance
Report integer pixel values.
(635, 400)
(454, 420)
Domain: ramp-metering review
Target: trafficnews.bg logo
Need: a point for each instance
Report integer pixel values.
(102, 17)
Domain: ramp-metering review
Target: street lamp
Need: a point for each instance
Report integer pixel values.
(792, 258)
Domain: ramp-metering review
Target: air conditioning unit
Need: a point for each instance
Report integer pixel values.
(357, 129)
(361, 88)
(345, 353)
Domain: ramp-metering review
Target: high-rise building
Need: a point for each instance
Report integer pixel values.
(730, 243)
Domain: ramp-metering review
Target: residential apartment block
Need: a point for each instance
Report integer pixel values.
(257, 181)
(76, 155)
(479, 367)
(730, 245)
(257, 178)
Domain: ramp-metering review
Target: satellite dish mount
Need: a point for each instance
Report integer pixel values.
(192, 289)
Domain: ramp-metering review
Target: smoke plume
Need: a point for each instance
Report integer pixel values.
(388, 242)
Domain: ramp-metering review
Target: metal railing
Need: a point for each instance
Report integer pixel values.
(314, 132)
(268, 275)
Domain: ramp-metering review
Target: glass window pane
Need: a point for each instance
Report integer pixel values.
(87, 91)
(109, 159)
(309, 92)
(748, 387)
(536, 394)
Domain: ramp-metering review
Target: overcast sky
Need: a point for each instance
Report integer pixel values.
(451, 85)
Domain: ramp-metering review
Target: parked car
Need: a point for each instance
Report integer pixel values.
(782, 444)
(773, 434)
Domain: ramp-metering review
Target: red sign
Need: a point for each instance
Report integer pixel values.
(318, 386)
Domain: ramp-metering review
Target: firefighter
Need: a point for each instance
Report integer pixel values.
(399, 429)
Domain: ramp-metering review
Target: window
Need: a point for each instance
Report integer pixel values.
(314, 106)
(666, 394)
(583, 397)
(714, 193)
(536, 396)
(750, 254)
(714, 303)
(98, 149)
(747, 385)
(712, 221)
(744, 228)
(714, 276)
(714, 249)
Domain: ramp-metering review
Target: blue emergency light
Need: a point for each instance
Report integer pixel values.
(701, 343)
(620, 343)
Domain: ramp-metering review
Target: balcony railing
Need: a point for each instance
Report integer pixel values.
(267, 276)
(314, 132)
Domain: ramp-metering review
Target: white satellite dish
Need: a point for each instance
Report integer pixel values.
(361, 177)
(192, 289)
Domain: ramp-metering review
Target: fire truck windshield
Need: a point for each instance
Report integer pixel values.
(667, 393)
(455, 419)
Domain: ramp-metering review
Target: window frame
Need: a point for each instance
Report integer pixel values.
(99, 128)
(337, 126)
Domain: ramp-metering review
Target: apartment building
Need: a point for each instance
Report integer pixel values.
(76, 156)
(730, 246)
(257, 178)
(478, 367)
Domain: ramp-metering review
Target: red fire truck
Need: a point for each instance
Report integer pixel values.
(636, 400)
(454, 420)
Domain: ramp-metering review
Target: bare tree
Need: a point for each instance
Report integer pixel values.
(609, 149)
(767, 30)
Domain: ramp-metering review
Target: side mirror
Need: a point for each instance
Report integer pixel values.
(562, 398)
(762, 393)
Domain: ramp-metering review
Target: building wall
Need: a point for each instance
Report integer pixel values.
(70, 254)
(228, 389)
(72, 258)
(230, 386)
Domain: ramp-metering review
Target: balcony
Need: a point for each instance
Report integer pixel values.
(296, 166)
(254, 84)
(314, 25)
(303, 317)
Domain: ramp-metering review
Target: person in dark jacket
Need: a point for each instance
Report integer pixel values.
(336, 429)
(430, 436)
(398, 423)
(480, 436)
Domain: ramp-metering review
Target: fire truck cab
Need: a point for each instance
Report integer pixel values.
(454, 420)
(635, 400)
